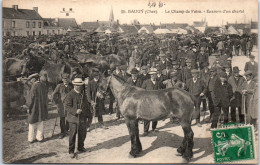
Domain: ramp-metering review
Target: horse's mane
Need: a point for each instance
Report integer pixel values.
(120, 79)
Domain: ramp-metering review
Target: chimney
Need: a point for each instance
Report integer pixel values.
(15, 7)
(35, 9)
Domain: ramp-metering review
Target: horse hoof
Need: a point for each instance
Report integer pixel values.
(185, 160)
(131, 155)
(178, 154)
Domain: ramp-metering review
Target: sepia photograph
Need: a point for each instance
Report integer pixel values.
(136, 81)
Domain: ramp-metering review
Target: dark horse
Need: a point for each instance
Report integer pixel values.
(136, 103)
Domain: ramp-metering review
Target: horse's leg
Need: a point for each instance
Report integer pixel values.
(132, 130)
(139, 145)
(187, 144)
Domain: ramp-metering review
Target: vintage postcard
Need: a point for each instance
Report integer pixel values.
(130, 81)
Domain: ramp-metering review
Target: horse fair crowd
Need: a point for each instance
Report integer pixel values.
(152, 63)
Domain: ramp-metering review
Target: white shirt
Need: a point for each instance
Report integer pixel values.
(195, 80)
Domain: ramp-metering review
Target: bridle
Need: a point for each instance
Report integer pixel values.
(105, 89)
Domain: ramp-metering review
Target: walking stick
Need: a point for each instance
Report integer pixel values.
(76, 150)
(244, 107)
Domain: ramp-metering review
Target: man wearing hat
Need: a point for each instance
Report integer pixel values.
(183, 56)
(197, 88)
(247, 90)
(135, 54)
(236, 81)
(134, 80)
(252, 65)
(75, 103)
(223, 95)
(174, 82)
(58, 97)
(166, 71)
(162, 62)
(186, 71)
(37, 102)
(151, 84)
(192, 57)
(202, 58)
(123, 73)
(144, 75)
(160, 77)
(96, 99)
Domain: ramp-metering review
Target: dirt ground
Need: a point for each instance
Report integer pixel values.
(107, 145)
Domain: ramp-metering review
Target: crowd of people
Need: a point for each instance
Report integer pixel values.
(179, 62)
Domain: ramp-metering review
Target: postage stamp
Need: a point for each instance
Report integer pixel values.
(234, 143)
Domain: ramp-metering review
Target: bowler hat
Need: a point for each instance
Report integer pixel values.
(251, 56)
(235, 69)
(135, 47)
(134, 71)
(202, 49)
(173, 73)
(78, 81)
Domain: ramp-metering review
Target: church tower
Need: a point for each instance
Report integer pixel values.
(111, 18)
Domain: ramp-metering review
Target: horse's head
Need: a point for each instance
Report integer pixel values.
(104, 82)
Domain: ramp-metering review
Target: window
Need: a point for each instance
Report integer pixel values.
(33, 25)
(33, 33)
(53, 32)
(14, 34)
(39, 24)
(27, 24)
(40, 33)
(13, 24)
(47, 32)
(3, 23)
(28, 33)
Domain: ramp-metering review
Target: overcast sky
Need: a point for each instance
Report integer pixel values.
(92, 10)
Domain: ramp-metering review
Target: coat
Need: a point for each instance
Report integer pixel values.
(203, 58)
(253, 68)
(91, 96)
(222, 94)
(137, 83)
(59, 95)
(178, 84)
(196, 88)
(186, 74)
(37, 101)
(253, 104)
(236, 85)
(250, 87)
(148, 85)
(74, 101)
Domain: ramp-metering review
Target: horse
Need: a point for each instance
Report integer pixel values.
(139, 104)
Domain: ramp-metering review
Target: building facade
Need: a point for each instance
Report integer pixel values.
(21, 22)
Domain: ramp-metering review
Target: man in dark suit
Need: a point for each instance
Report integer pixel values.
(252, 65)
(77, 113)
(95, 98)
(58, 97)
(151, 84)
(197, 88)
(236, 81)
(223, 95)
(134, 80)
(144, 75)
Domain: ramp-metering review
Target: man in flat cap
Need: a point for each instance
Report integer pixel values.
(252, 65)
(236, 81)
(58, 97)
(162, 62)
(186, 71)
(144, 74)
(37, 102)
(196, 88)
(202, 57)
